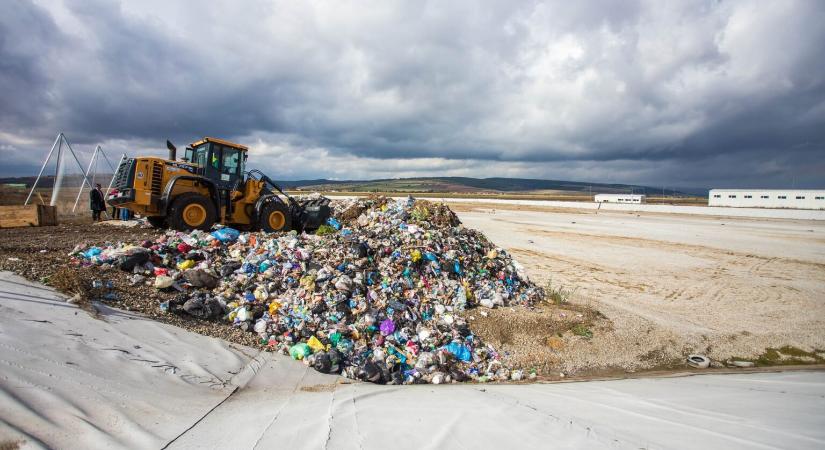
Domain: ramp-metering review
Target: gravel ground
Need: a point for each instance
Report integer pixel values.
(41, 254)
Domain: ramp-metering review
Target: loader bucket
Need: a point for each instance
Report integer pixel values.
(311, 214)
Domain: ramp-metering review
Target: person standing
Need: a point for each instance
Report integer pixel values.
(96, 202)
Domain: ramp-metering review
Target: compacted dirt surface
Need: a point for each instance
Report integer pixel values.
(673, 284)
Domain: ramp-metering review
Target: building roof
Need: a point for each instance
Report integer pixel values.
(768, 190)
(625, 195)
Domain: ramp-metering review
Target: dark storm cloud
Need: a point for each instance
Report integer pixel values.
(635, 91)
(27, 34)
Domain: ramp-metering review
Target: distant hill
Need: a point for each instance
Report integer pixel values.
(470, 185)
(464, 185)
(47, 181)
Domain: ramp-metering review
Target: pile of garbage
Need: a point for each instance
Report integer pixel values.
(377, 294)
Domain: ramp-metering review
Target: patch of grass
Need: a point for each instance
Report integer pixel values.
(771, 357)
(797, 352)
(581, 329)
(70, 282)
(784, 356)
(557, 294)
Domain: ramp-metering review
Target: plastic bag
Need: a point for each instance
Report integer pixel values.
(461, 352)
(387, 327)
(94, 251)
(299, 351)
(163, 282)
(315, 344)
(226, 234)
(334, 223)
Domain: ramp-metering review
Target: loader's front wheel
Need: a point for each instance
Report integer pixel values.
(274, 216)
(192, 211)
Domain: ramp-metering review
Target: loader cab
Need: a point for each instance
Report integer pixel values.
(221, 161)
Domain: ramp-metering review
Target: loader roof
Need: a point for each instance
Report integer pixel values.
(219, 141)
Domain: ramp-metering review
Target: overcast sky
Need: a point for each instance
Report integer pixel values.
(679, 93)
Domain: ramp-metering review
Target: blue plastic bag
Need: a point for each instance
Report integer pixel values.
(94, 251)
(248, 268)
(334, 223)
(462, 352)
(226, 234)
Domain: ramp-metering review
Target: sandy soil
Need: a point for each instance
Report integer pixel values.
(670, 285)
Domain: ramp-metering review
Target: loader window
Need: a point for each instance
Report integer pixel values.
(199, 157)
(231, 160)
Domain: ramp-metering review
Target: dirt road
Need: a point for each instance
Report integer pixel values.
(673, 284)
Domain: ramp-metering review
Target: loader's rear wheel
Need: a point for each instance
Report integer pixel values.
(274, 216)
(157, 222)
(192, 211)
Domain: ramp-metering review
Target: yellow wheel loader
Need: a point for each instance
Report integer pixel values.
(210, 185)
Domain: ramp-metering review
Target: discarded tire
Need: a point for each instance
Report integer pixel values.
(698, 361)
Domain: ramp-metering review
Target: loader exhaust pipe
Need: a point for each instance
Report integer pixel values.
(172, 150)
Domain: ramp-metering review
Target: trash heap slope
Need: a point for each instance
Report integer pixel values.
(376, 295)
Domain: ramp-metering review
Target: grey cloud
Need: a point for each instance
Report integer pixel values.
(659, 91)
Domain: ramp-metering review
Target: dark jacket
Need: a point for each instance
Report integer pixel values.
(96, 202)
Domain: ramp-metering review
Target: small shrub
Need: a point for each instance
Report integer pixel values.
(557, 294)
(581, 329)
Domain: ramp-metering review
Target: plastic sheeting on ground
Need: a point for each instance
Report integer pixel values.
(71, 381)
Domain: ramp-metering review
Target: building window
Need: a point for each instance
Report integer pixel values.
(731, 196)
(765, 196)
(800, 197)
(782, 197)
(749, 196)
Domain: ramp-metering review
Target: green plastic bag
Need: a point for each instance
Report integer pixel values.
(334, 338)
(300, 351)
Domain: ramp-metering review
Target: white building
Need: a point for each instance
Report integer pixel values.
(768, 198)
(620, 198)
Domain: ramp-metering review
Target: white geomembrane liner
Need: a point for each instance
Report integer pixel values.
(68, 380)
